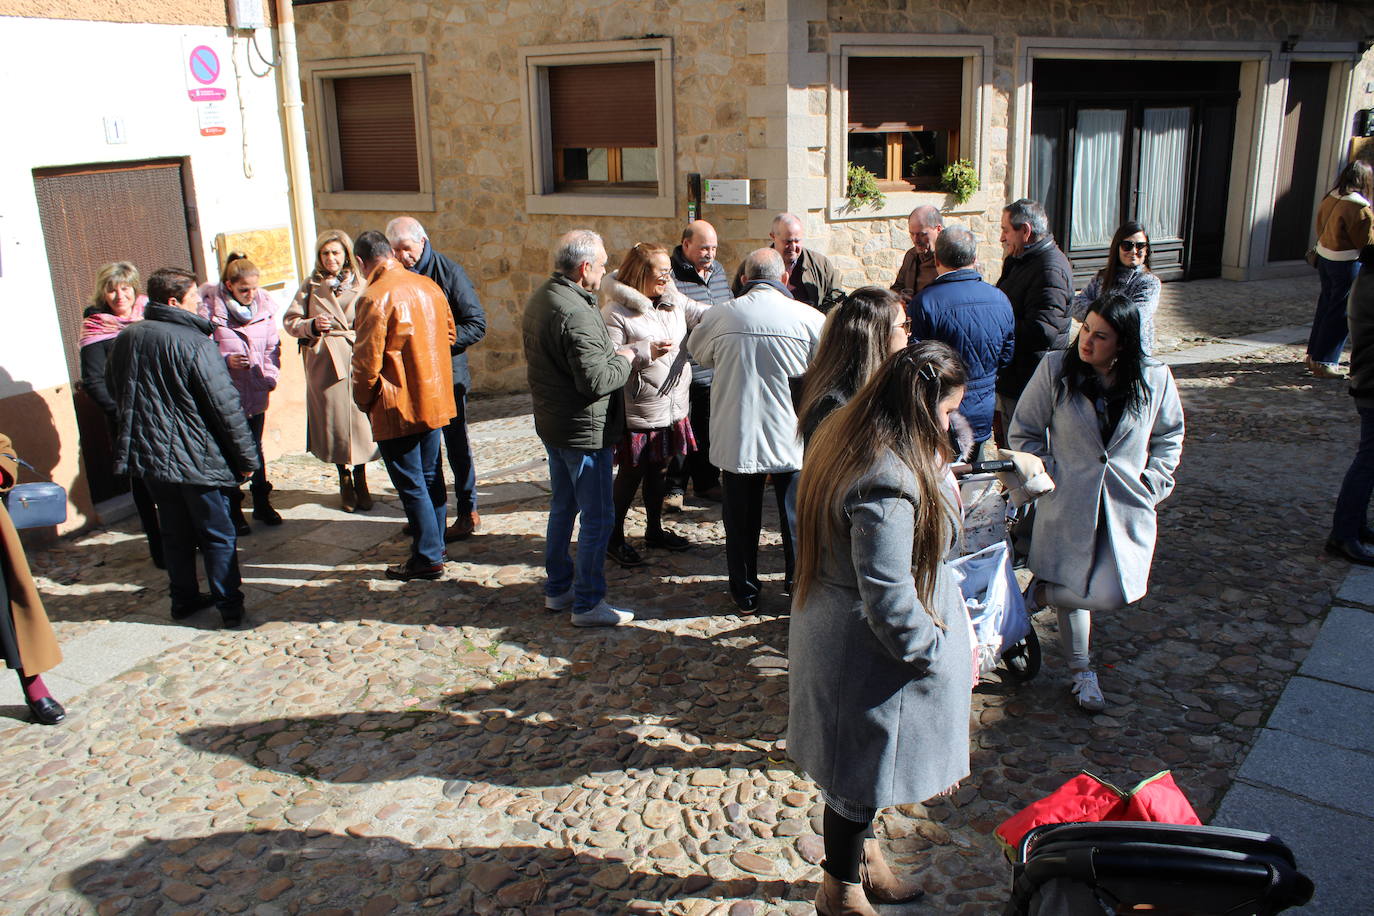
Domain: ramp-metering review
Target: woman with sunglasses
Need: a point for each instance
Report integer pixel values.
(879, 647)
(866, 328)
(644, 311)
(1127, 274)
(1107, 422)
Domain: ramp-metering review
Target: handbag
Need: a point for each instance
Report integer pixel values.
(36, 505)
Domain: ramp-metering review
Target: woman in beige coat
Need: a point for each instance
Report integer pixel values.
(644, 311)
(27, 643)
(322, 318)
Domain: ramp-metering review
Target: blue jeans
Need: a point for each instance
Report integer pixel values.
(1352, 505)
(1330, 325)
(581, 481)
(412, 462)
(192, 516)
(460, 455)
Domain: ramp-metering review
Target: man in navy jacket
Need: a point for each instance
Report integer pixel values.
(412, 248)
(973, 317)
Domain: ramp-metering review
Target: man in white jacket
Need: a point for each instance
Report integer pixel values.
(755, 344)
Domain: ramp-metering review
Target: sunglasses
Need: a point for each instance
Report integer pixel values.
(1127, 245)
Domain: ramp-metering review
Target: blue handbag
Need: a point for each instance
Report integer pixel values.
(36, 505)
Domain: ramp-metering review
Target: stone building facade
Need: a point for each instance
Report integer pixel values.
(759, 89)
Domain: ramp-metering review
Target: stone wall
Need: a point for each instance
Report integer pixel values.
(752, 100)
(476, 130)
(872, 250)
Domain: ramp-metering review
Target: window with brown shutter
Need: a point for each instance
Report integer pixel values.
(375, 121)
(603, 125)
(904, 117)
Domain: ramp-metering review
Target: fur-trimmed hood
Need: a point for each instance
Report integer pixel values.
(613, 292)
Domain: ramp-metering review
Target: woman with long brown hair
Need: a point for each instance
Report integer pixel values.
(880, 669)
(1345, 224)
(866, 328)
(321, 317)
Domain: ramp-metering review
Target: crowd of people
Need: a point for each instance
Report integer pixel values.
(668, 373)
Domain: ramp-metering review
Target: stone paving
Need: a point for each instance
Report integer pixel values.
(373, 747)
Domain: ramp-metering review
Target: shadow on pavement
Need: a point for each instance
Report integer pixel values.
(302, 872)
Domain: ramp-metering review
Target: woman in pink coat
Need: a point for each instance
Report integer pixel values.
(246, 331)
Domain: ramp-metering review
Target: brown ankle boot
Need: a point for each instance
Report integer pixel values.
(347, 497)
(879, 883)
(840, 898)
(360, 488)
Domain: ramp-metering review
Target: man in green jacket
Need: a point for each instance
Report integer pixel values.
(575, 375)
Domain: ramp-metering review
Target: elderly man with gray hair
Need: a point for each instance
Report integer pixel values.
(974, 318)
(575, 376)
(918, 267)
(412, 248)
(807, 276)
(756, 345)
(1039, 282)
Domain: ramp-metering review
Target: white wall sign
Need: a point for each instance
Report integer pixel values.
(726, 190)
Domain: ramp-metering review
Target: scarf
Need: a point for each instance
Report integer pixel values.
(98, 326)
(241, 314)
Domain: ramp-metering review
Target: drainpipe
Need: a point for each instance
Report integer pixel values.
(297, 159)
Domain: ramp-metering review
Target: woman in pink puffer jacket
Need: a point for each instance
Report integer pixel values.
(246, 331)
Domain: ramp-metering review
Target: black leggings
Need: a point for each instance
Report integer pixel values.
(844, 844)
(627, 482)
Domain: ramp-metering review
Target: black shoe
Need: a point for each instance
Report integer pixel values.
(667, 540)
(199, 603)
(408, 570)
(1354, 551)
(263, 512)
(624, 554)
(749, 605)
(1367, 534)
(232, 618)
(241, 526)
(46, 711)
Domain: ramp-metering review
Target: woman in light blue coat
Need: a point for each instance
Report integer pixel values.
(881, 666)
(1106, 420)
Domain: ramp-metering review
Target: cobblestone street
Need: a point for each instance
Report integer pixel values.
(368, 746)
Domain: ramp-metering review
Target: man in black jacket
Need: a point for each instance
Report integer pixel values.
(181, 428)
(1036, 277)
(699, 276)
(412, 248)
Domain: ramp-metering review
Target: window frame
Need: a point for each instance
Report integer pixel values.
(319, 76)
(542, 192)
(976, 53)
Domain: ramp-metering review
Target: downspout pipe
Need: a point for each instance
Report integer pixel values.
(297, 157)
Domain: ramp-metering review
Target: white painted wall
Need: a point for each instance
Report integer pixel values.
(62, 79)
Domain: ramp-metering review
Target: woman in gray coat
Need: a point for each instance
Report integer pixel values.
(881, 662)
(1107, 422)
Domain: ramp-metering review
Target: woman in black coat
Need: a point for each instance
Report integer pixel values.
(115, 305)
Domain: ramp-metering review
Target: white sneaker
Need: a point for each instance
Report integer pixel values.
(1086, 691)
(603, 615)
(558, 602)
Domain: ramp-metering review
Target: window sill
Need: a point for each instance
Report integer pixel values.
(404, 201)
(600, 203)
(901, 203)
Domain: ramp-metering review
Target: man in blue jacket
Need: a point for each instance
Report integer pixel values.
(412, 248)
(973, 317)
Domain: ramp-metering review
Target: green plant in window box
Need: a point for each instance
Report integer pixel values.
(960, 178)
(862, 189)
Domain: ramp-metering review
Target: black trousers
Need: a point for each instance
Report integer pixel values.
(742, 512)
(696, 467)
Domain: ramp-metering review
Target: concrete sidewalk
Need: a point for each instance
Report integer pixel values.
(1309, 777)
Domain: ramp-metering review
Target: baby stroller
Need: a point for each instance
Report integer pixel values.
(1001, 627)
(1116, 867)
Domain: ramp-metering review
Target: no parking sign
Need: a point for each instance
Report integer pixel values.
(204, 65)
